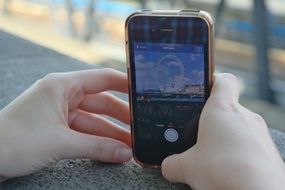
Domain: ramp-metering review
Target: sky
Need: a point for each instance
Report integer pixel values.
(159, 70)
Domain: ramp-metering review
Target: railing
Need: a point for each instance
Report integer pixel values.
(259, 14)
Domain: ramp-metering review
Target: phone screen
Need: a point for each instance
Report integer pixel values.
(169, 88)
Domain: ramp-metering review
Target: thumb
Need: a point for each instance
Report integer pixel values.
(178, 167)
(225, 89)
(80, 145)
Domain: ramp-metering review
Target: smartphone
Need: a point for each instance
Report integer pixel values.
(170, 71)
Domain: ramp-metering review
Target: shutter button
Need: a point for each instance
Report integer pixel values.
(171, 135)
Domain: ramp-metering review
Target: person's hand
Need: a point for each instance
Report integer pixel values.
(234, 149)
(59, 117)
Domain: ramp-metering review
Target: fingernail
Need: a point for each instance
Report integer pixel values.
(122, 154)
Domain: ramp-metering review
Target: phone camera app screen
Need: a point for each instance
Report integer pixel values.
(170, 95)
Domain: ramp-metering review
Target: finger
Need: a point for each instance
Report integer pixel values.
(96, 125)
(169, 168)
(80, 145)
(94, 81)
(107, 104)
(225, 88)
(174, 167)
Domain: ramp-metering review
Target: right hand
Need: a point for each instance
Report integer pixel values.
(234, 149)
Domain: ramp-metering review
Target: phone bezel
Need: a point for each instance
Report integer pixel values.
(167, 13)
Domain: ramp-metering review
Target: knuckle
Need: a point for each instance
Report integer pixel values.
(52, 76)
(108, 101)
(109, 70)
(225, 106)
(49, 81)
(109, 76)
(223, 76)
(259, 119)
(230, 76)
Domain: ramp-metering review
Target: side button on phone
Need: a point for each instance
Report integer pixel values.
(171, 135)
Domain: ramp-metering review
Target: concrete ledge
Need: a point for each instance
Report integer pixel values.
(85, 174)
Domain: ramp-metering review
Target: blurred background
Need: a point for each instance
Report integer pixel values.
(250, 38)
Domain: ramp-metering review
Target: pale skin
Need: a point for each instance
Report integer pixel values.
(59, 117)
(234, 149)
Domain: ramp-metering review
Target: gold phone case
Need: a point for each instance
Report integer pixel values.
(168, 13)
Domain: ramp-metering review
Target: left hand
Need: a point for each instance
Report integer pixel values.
(59, 117)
